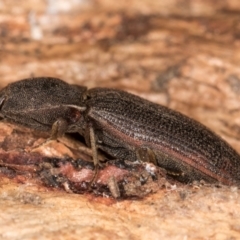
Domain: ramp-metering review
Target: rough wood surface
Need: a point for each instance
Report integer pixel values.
(183, 54)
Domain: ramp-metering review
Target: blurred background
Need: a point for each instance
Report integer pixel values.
(180, 53)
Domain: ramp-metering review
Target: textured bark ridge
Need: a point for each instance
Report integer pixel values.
(68, 166)
(182, 54)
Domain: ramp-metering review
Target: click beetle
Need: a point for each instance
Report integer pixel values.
(124, 126)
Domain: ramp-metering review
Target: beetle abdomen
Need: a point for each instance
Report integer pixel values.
(188, 145)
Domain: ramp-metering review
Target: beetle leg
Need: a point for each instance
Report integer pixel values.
(93, 145)
(113, 187)
(58, 129)
(146, 155)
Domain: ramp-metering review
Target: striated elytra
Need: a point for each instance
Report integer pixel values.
(124, 126)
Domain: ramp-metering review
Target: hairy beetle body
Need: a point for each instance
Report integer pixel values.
(124, 126)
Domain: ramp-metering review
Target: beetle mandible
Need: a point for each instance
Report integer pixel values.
(124, 126)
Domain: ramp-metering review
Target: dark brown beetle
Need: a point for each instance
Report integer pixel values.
(124, 126)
